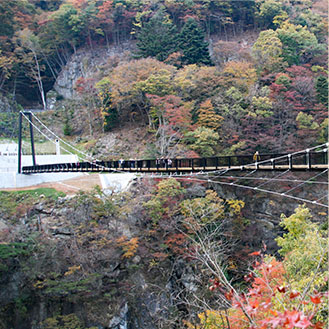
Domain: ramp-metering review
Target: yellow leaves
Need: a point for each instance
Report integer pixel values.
(260, 106)
(305, 251)
(129, 247)
(209, 320)
(240, 74)
(306, 121)
(39, 284)
(207, 116)
(194, 81)
(72, 270)
(184, 78)
(6, 64)
(235, 206)
(158, 83)
(125, 76)
(200, 211)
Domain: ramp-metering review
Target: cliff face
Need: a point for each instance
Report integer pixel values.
(71, 261)
(99, 261)
(87, 62)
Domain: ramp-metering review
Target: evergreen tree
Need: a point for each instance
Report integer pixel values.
(192, 44)
(157, 38)
(322, 90)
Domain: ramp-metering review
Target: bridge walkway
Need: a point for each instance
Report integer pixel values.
(303, 161)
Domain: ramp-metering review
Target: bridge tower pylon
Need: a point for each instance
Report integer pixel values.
(27, 115)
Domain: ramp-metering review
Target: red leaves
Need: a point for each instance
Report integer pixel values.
(289, 319)
(258, 303)
(255, 253)
(229, 295)
(249, 277)
(282, 290)
(318, 325)
(215, 284)
(294, 294)
(316, 299)
(172, 109)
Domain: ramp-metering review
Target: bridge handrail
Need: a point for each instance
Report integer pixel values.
(308, 158)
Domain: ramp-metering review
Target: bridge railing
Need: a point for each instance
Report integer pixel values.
(305, 159)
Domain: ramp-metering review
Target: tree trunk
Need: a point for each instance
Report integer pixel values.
(39, 80)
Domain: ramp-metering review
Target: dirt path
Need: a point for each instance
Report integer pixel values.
(69, 186)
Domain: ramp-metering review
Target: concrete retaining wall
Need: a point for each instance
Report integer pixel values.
(9, 178)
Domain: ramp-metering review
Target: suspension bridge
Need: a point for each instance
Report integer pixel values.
(315, 158)
(218, 170)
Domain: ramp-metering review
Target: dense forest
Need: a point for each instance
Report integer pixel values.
(194, 78)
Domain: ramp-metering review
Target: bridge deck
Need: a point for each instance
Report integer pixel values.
(301, 161)
(66, 168)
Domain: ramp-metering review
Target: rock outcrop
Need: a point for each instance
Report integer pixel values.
(88, 62)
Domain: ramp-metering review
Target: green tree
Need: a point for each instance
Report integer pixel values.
(299, 45)
(109, 114)
(314, 22)
(306, 121)
(268, 10)
(267, 51)
(202, 140)
(64, 27)
(191, 43)
(157, 38)
(305, 251)
(164, 202)
(322, 90)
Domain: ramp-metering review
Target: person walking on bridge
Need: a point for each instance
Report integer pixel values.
(256, 157)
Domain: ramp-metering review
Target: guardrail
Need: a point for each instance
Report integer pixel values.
(300, 161)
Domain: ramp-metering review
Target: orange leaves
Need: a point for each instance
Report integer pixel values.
(177, 243)
(289, 319)
(129, 247)
(316, 299)
(255, 253)
(72, 269)
(294, 294)
(207, 116)
(171, 110)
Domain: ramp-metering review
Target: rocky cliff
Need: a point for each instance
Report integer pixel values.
(97, 261)
(87, 62)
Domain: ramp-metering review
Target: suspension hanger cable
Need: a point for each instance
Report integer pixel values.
(275, 177)
(250, 164)
(256, 189)
(323, 197)
(62, 140)
(313, 177)
(180, 177)
(81, 158)
(268, 180)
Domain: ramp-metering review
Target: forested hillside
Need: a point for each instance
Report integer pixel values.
(205, 77)
(171, 253)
